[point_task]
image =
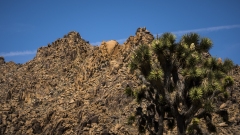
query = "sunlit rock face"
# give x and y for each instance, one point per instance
(72, 87)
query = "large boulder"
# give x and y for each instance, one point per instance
(110, 47)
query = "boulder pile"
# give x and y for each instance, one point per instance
(74, 88)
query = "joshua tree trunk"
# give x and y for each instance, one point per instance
(181, 126)
(160, 122)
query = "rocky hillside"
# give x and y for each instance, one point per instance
(72, 87)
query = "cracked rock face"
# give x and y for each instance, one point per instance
(72, 87)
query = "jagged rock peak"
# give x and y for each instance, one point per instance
(70, 45)
(73, 34)
(140, 30)
(142, 36)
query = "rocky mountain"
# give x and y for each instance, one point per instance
(74, 88)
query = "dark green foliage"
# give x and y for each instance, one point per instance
(208, 106)
(190, 38)
(227, 65)
(211, 63)
(139, 95)
(226, 95)
(193, 59)
(165, 41)
(196, 94)
(129, 91)
(131, 120)
(182, 78)
(205, 44)
(193, 126)
(193, 72)
(141, 59)
(219, 75)
(155, 75)
(228, 81)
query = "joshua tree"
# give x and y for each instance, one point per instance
(183, 81)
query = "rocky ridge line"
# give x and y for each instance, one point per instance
(72, 87)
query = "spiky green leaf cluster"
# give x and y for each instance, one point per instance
(196, 94)
(140, 58)
(205, 44)
(195, 121)
(155, 74)
(193, 59)
(193, 126)
(227, 65)
(211, 63)
(194, 72)
(190, 38)
(183, 48)
(226, 95)
(228, 81)
(129, 91)
(211, 87)
(208, 106)
(216, 64)
(218, 75)
(165, 44)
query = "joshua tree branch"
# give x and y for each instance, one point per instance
(191, 112)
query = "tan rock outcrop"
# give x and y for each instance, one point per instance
(72, 87)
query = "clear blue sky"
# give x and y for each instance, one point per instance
(26, 25)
